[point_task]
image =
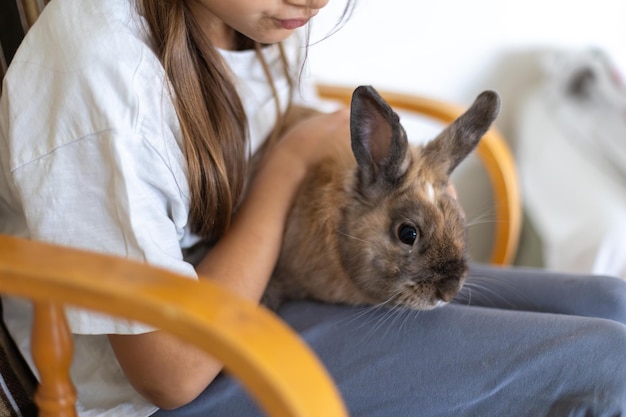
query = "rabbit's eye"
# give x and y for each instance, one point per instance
(407, 234)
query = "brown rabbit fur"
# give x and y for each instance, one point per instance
(376, 226)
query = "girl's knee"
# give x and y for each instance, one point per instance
(600, 387)
(611, 293)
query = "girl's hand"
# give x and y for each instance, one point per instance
(451, 189)
(316, 138)
(255, 234)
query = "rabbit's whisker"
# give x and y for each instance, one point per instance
(380, 313)
(495, 292)
(353, 237)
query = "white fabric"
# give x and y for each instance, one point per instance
(91, 157)
(572, 158)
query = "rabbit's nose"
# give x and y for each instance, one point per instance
(448, 288)
(446, 296)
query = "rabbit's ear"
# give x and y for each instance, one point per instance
(460, 138)
(379, 142)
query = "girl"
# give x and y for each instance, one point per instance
(126, 127)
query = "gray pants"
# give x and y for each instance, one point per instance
(514, 343)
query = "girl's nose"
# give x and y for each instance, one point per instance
(312, 4)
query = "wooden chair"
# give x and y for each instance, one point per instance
(277, 368)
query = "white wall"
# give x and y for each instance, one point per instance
(453, 49)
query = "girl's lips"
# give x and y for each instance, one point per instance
(291, 23)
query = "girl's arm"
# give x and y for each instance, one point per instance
(170, 373)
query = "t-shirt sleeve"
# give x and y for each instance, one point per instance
(110, 192)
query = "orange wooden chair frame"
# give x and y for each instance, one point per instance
(277, 368)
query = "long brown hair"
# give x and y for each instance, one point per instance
(211, 115)
(212, 118)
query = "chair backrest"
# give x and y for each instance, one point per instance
(16, 17)
(494, 154)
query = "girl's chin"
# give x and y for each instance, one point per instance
(274, 37)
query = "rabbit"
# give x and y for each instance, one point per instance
(376, 226)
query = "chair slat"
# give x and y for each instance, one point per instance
(52, 350)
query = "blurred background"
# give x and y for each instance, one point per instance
(454, 49)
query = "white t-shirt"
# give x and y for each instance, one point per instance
(91, 157)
